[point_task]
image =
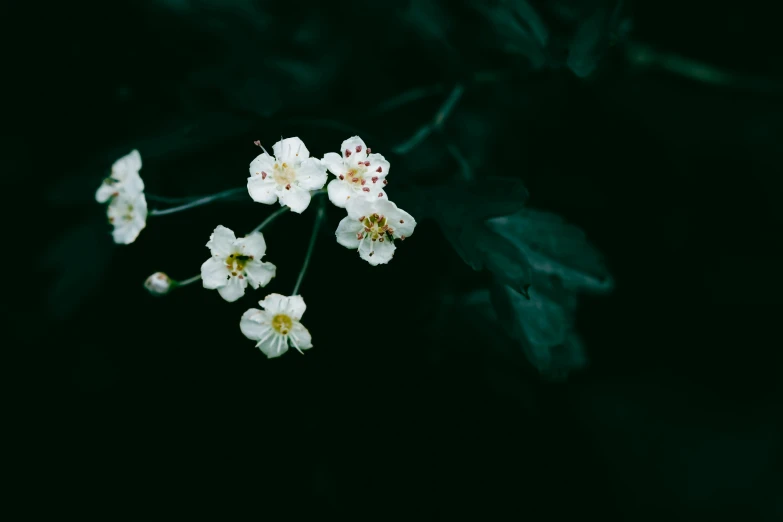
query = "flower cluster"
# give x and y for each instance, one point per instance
(291, 177)
(124, 190)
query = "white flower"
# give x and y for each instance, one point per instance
(235, 263)
(158, 284)
(372, 226)
(128, 213)
(289, 175)
(277, 325)
(124, 178)
(360, 173)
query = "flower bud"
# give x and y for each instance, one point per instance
(158, 284)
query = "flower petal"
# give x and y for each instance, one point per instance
(300, 337)
(295, 198)
(339, 192)
(378, 161)
(376, 252)
(295, 307)
(349, 152)
(311, 174)
(334, 162)
(233, 290)
(273, 346)
(104, 192)
(347, 232)
(289, 150)
(128, 214)
(131, 162)
(214, 273)
(401, 222)
(359, 207)
(221, 242)
(132, 185)
(274, 303)
(262, 163)
(255, 324)
(262, 190)
(260, 273)
(252, 245)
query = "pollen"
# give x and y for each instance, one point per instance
(282, 323)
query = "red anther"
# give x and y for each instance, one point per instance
(385, 182)
(115, 194)
(257, 143)
(380, 194)
(379, 169)
(354, 180)
(362, 218)
(369, 150)
(241, 276)
(347, 153)
(364, 181)
(263, 175)
(375, 179)
(366, 229)
(366, 189)
(359, 236)
(402, 237)
(288, 187)
(342, 177)
(366, 163)
(358, 148)
(376, 216)
(401, 221)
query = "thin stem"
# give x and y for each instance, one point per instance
(316, 225)
(464, 166)
(203, 201)
(188, 281)
(274, 215)
(437, 122)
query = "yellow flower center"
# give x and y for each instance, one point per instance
(282, 324)
(283, 174)
(236, 263)
(376, 227)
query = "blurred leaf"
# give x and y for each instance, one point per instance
(555, 248)
(517, 23)
(593, 37)
(80, 257)
(479, 200)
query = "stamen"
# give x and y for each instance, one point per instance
(347, 153)
(380, 194)
(369, 150)
(364, 181)
(362, 218)
(288, 187)
(358, 148)
(257, 143)
(380, 239)
(366, 163)
(263, 174)
(366, 189)
(375, 179)
(355, 180)
(359, 236)
(402, 221)
(342, 177)
(379, 169)
(385, 182)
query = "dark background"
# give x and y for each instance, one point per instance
(409, 407)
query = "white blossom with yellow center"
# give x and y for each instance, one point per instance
(372, 226)
(235, 263)
(361, 174)
(277, 325)
(288, 176)
(128, 214)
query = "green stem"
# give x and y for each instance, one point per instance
(199, 202)
(316, 225)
